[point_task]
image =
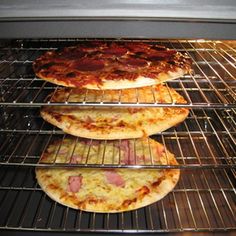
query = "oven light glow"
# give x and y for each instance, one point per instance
(201, 40)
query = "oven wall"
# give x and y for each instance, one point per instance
(115, 19)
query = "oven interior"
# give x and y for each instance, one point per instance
(204, 146)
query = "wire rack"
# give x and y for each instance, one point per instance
(211, 83)
(202, 201)
(204, 146)
(25, 136)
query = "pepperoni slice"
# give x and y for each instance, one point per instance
(72, 55)
(159, 47)
(117, 51)
(136, 62)
(137, 47)
(46, 65)
(162, 55)
(91, 46)
(89, 65)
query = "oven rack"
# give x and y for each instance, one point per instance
(206, 139)
(202, 201)
(211, 83)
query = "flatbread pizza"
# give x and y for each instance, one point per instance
(111, 65)
(115, 122)
(107, 190)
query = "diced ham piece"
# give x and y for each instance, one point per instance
(91, 142)
(128, 152)
(88, 64)
(75, 159)
(63, 150)
(114, 178)
(117, 51)
(160, 150)
(74, 183)
(115, 118)
(133, 110)
(89, 119)
(141, 158)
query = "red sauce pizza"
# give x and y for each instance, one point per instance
(111, 65)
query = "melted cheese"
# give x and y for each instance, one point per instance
(95, 184)
(141, 151)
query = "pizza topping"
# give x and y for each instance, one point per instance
(160, 150)
(46, 65)
(117, 51)
(91, 46)
(128, 202)
(74, 183)
(138, 47)
(143, 191)
(160, 56)
(90, 142)
(72, 54)
(89, 65)
(76, 159)
(89, 120)
(114, 178)
(71, 75)
(136, 62)
(128, 155)
(158, 182)
(159, 47)
(104, 190)
(63, 150)
(92, 64)
(133, 110)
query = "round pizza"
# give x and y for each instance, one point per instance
(107, 190)
(111, 65)
(115, 122)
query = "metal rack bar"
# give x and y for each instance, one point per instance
(52, 221)
(223, 193)
(222, 55)
(189, 131)
(224, 69)
(215, 72)
(38, 211)
(195, 82)
(228, 160)
(201, 201)
(18, 88)
(213, 200)
(223, 99)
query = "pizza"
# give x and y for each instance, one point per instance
(112, 122)
(107, 190)
(111, 65)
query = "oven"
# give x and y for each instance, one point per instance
(204, 144)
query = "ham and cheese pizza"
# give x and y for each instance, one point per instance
(107, 190)
(111, 65)
(115, 122)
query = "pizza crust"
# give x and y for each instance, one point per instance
(115, 122)
(123, 83)
(51, 180)
(170, 118)
(141, 81)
